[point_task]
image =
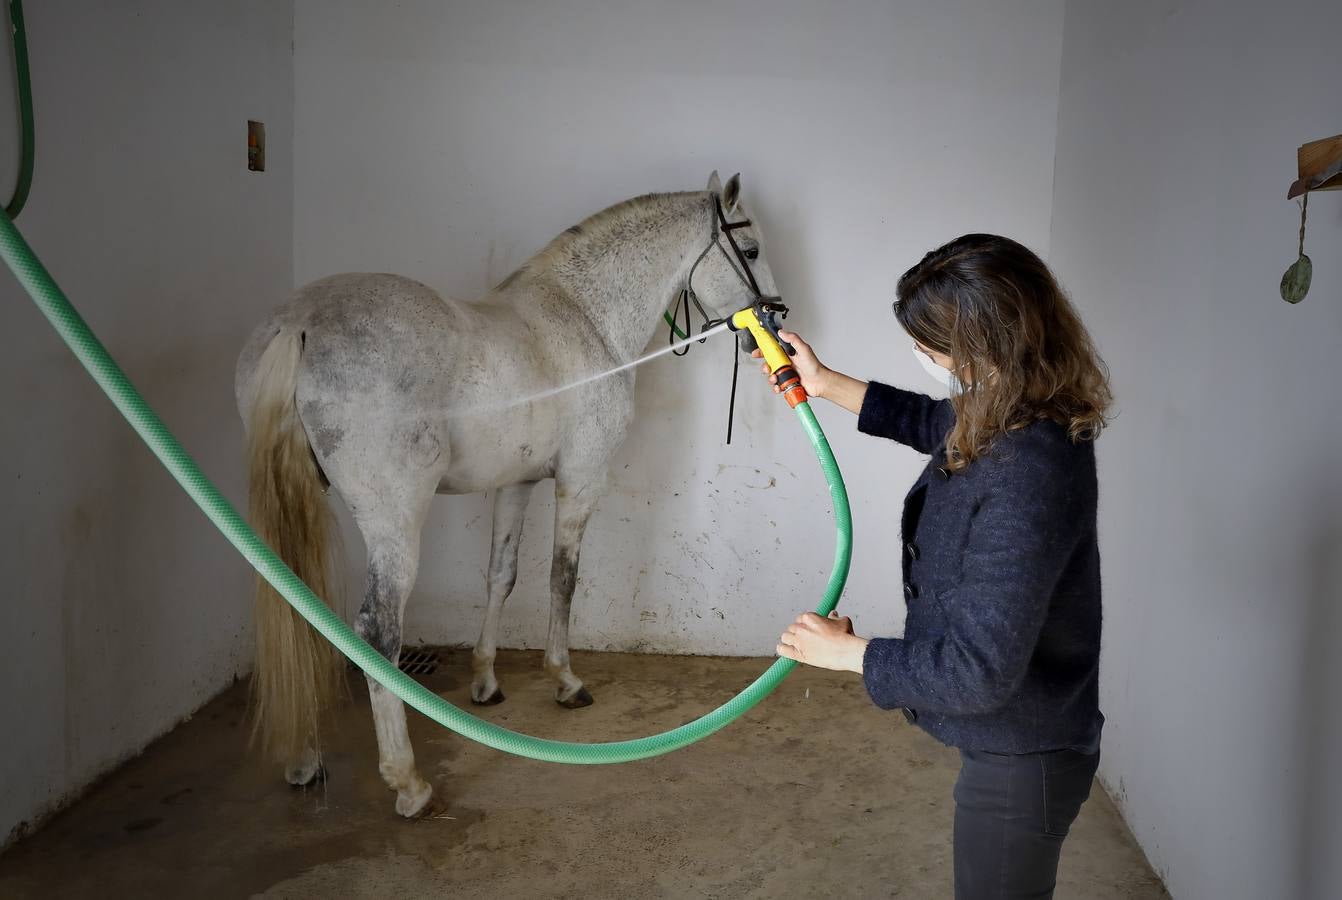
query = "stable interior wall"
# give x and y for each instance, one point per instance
(1221, 504)
(450, 141)
(124, 610)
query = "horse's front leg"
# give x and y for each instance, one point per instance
(574, 502)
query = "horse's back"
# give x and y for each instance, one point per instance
(390, 338)
(361, 328)
(369, 317)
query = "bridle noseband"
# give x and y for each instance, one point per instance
(736, 260)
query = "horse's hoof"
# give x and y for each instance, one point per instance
(493, 699)
(318, 776)
(582, 697)
(417, 804)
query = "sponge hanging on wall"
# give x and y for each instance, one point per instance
(1295, 283)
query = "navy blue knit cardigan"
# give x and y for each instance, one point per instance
(1001, 569)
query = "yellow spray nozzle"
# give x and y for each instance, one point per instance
(746, 319)
(761, 320)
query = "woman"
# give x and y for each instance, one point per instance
(1001, 568)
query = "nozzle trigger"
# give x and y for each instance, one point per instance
(769, 315)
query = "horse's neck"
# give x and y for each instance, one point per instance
(624, 271)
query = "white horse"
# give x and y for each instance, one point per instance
(376, 386)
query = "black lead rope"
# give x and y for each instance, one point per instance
(731, 402)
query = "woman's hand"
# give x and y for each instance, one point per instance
(815, 376)
(818, 379)
(826, 643)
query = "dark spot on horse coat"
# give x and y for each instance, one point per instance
(378, 622)
(361, 334)
(328, 438)
(425, 445)
(563, 577)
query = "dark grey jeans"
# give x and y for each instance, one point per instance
(1011, 815)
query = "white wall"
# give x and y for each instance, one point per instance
(1221, 491)
(449, 141)
(123, 610)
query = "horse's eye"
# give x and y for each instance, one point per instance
(751, 253)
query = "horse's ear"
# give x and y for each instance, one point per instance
(731, 194)
(715, 183)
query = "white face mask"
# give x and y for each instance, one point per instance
(942, 375)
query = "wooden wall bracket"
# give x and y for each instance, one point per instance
(1320, 167)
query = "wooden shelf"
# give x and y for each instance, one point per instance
(1320, 167)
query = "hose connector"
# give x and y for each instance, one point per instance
(760, 320)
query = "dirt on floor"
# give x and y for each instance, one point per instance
(814, 793)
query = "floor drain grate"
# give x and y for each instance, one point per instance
(419, 661)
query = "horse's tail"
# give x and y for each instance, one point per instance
(297, 672)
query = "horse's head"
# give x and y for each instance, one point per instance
(722, 279)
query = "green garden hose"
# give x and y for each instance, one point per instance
(35, 279)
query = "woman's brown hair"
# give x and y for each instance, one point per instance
(994, 307)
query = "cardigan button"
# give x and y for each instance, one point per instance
(910, 714)
(910, 592)
(912, 550)
(944, 473)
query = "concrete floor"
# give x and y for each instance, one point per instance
(815, 793)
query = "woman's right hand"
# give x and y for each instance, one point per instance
(814, 374)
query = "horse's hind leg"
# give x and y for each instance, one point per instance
(510, 508)
(574, 503)
(393, 559)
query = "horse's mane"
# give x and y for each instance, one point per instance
(596, 226)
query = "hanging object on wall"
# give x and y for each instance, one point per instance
(1319, 167)
(1295, 283)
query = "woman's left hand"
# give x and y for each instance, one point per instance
(826, 643)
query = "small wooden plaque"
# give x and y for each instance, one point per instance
(1319, 165)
